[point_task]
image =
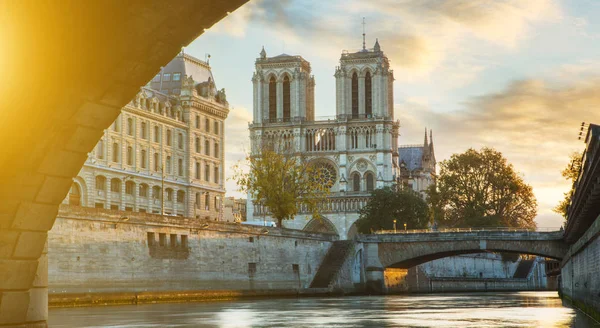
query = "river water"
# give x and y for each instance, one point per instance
(518, 309)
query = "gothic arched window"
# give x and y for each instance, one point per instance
(369, 180)
(355, 182)
(286, 97)
(368, 95)
(272, 98)
(354, 95)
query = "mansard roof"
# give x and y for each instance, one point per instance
(187, 65)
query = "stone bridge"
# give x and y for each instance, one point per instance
(407, 250)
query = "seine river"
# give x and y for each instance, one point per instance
(519, 309)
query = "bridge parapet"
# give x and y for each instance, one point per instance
(462, 236)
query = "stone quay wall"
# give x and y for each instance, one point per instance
(125, 254)
(580, 272)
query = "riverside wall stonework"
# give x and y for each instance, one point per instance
(94, 251)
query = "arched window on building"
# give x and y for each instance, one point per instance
(100, 183)
(180, 167)
(169, 193)
(286, 98)
(169, 137)
(75, 195)
(130, 126)
(197, 144)
(168, 165)
(368, 95)
(272, 98)
(197, 170)
(369, 180)
(206, 172)
(129, 188)
(143, 190)
(180, 196)
(115, 185)
(129, 155)
(100, 149)
(207, 147)
(355, 181)
(156, 192)
(180, 141)
(115, 152)
(156, 133)
(354, 95)
(156, 162)
(144, 159)
(216, 149)
(216, 174)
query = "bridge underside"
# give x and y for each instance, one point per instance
(69, 68)
(409, 254)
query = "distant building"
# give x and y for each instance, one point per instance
(234, 209)
(164, 153)
(417, 165)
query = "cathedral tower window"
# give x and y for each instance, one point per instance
(286, 98)
(355, 182)
(115, 152)
(354, 95)
(272, 98)
(369, 181)
(368, 95)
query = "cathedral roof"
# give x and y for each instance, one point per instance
(412, 156)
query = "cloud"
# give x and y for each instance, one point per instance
(533, 122)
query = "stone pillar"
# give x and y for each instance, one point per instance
(374, 270)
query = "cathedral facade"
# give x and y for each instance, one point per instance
(358, 145)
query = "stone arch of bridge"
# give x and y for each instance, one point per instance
(79, 91)
(407, 255)
(321, 224)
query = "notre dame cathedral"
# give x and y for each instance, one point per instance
(358, 145)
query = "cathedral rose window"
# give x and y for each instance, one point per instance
(326, 174)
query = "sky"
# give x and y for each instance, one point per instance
(518, 76)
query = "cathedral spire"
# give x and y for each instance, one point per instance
(263, 53)
(364, 41)
(425, 143)
(377, 48)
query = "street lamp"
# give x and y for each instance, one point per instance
(405, 227)
(394, 225)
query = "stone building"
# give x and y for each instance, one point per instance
(417, 165)
(164, 153)
(357, 146)
(234, 209)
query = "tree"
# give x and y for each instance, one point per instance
(387, 205)
(481, 189)
(283, 181)
(571, 172)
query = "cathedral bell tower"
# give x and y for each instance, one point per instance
(364, 84)
(283, 89)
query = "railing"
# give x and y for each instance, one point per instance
(335, 203)
(480, 229)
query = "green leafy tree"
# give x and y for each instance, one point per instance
(282, 182)
(481, 189)
(571, 172)
(387, 205)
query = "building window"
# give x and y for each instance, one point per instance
(369, 180)
(115, 152)
(156, 192)
(162, 239)
(207, 125)
(156, 134)
(197, 121)
(166, 77)
(169, 192)
(368, 95)
(130, 126)
(206, 172)
(180, 141)
(144, 130)
(143, 190)
(197, 144)
(207, 147)
(184, 241)
(355, 182)
(99, 205)
(168, 165)
(217, 203)
(115, 185)
(207, 201)
(144, 159)
(75, 195)
(129, 187)
(168, 137)
(151, 239)
(114, 207)
(129, 155)
(354, 95)
(197, 205)
(272, 98)
(176, 76)
(286, 97)
(180, 196)
(156, 162)
(180, 167)
(116, 124)
(100, 149)
(217, 149)
(216, 175)
(173, 240)
(197, 170)
(216, 127)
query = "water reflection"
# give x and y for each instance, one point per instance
(524, 309)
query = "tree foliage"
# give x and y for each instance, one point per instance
(570, 173)
(282, 182)
(387, 204)
(481, 189)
